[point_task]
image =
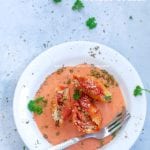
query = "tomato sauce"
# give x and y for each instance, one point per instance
(67, 130)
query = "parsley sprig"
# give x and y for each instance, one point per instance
(138, 90)
(57, 1)
(77, 94)
(91, 23)
(37, 105)
(78, 5)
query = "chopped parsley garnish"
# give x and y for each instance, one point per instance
(36, 105)
(138, 91)
(77, 94)
(95, 73)
(57, 1)
(108, 97)
(91, 23)
(78, 5)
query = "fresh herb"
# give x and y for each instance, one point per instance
(77, 94)
(91, 23)
(57, 1)
(78, 5)
(108, 97)
(138, 90)
(36, 105)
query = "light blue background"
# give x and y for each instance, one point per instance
(29, 27)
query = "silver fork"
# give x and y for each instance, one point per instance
(112, 127)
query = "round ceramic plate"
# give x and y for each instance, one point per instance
(73, 53)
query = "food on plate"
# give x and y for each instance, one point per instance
(77, 100)
(85, 115)
(61, 105)
(94, 88)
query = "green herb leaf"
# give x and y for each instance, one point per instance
(137, 91)
(57, 1)
(108, 97)
(77, 94)
(78, 5)
(91, 23)
(36, 105)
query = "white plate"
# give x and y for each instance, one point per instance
(73, 53)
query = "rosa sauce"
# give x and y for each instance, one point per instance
(67, 130)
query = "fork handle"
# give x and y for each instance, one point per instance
(66, 144)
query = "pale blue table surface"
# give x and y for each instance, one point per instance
(29, 27)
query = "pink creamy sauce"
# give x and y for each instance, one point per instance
(55, 134)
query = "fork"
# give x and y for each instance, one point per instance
(111, 128)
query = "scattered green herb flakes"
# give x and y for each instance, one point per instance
(36, 105)
(78, 5)
(57, 1)
(138, 90)
(91, 23)
(77, 94)
(93, 52)
(103, 74)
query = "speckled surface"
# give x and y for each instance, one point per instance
(29, 27)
